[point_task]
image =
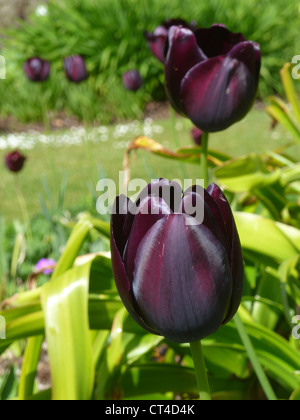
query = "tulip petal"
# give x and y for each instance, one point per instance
(248, 52)
(121, 278)
(182, 281)
(169, 191)
(217, 93)
(217, 40)
(150, 210)
(183, 54)
(236, 259)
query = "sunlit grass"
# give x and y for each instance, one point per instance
(84, 159)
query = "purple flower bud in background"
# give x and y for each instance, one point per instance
(132, 80)
(197, 134)
(177, 278)
(157, 39)
(211, 75)
(14, 161)
(45, 265)
(75, 68)
(36, 69)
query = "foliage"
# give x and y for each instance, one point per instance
(109, 35)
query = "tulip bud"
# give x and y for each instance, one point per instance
(176, 277)
(132, 80)
(36, 69)
(75, 68)
(211, 75)
(157, 39)
(197, 134)
(14, 161)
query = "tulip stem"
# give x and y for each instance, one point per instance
(204, 161)
(200, 370)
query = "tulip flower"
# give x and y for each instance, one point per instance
(177, 277)
(14, 161)
(75, 68)
(36, 69)
(157, 39)
(132, 80)
(211, 75)
(197, 134)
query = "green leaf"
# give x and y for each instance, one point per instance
(246, 173)
(276, 240)
(279, 111)
(29, 367)
(65, 305)
(289, 89)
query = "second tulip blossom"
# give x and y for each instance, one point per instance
(212, 75)
(177, 278)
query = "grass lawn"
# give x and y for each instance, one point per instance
(83, 159)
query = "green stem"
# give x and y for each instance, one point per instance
(200, 370)
(23, 207)
(203, 161)
(175, 137)
(254, 359)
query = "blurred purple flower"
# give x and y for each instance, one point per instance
(197, 134)
(157, 39)
(75, 68)
(132, 80)
(14, 161)
(46, 265)
(37, 69)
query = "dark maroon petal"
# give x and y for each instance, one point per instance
(183, 54)
(197, 134)
(132, 80)
(36, 69)
(248, 52)
(121, 279)
(209, 215)
(236, 259)
(186, 292)
(157, 41)
(169, 191)
(120, 213)
(45, 70)
(150, 210)
(217, 40)
(217, 93)
(75, 68)
(14, 161)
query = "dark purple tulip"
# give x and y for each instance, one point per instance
(36, 69)
(176, 277)
(197, 134)
(14, 161)
(211, 75)
(157, 39)
(75, 68)
(132, 80)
